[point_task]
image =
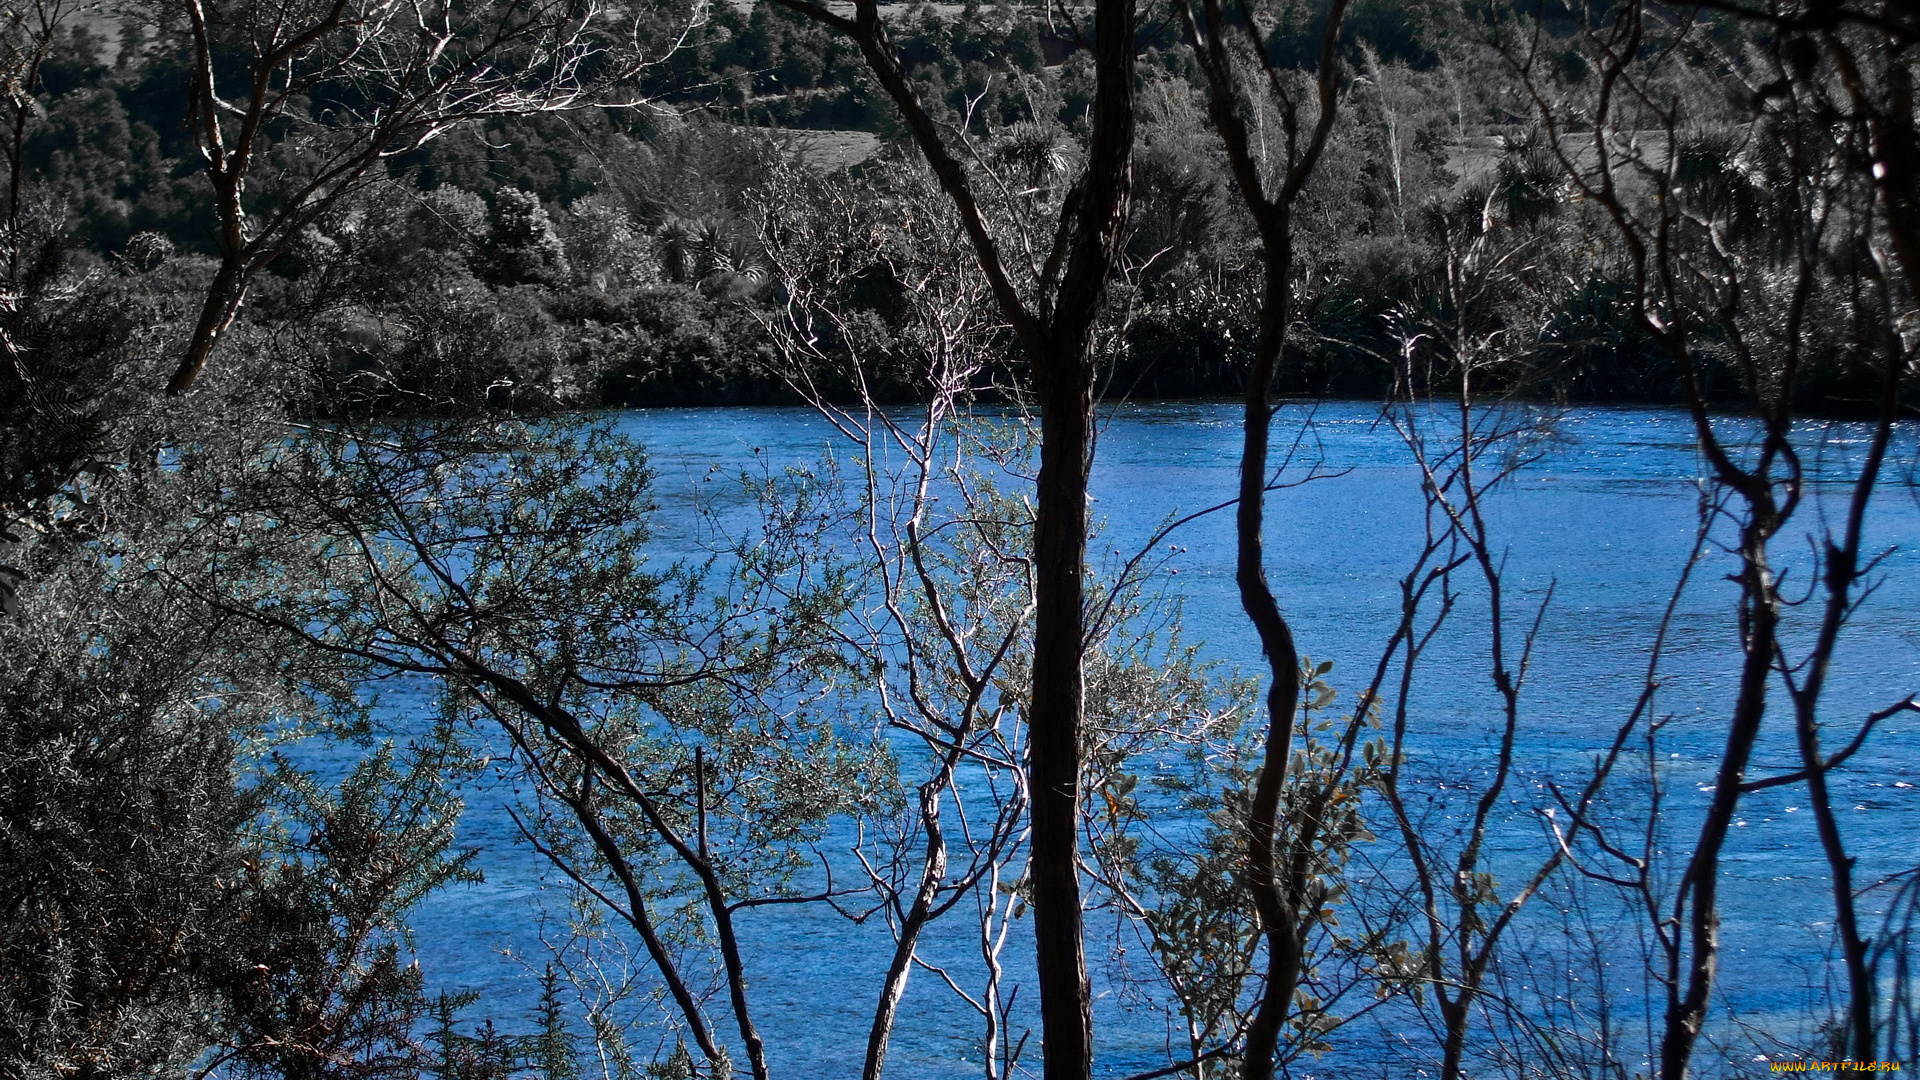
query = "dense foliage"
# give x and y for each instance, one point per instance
(612, 255)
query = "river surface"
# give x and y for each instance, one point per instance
(1605, 520)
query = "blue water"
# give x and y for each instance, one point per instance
(1605, 519)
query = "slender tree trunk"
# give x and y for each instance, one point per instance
(642, 924)
(564, 726)
(1283, 673)
(1453, 1013)
(1054, 720)
(222, 305)
(1278, 907)
(736, 969)
(894, 988)
(1063, 375)
(1699, 902)
(1858, 1043)
(1842, 572)
(1895, 169)
(1057, 334)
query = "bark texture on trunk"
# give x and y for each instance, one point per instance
(932, 871)
(1053, 736)
(1064, 378)
(222, 305)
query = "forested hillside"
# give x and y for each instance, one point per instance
(614, 255)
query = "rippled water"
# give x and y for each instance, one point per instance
(1605, 519)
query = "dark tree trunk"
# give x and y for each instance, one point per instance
(1055, 328)
(222, 304)
(1277, 902)
(1054, 719)
(1278, 920)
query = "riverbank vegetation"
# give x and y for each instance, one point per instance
(307, 308)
